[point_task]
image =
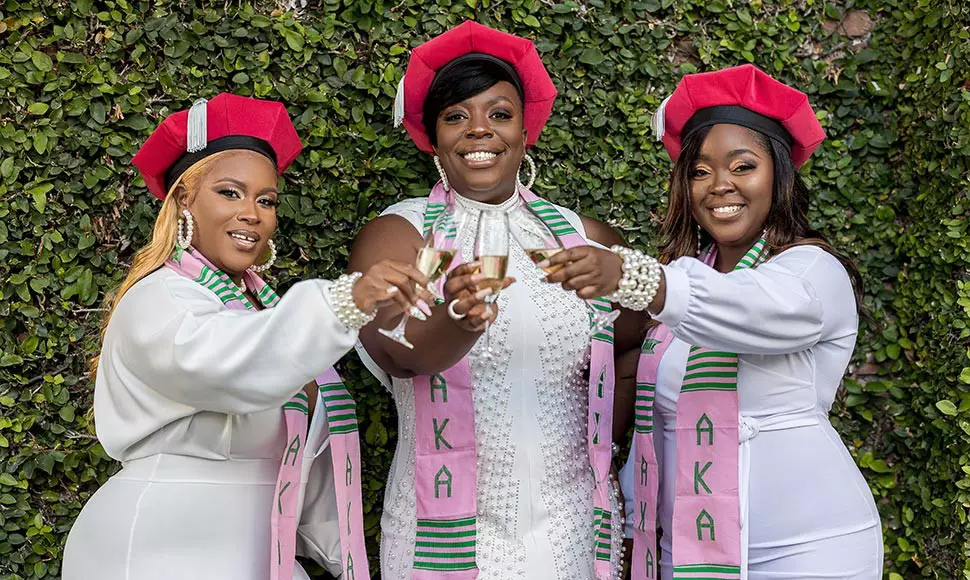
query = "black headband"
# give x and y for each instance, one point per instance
(737, 115)
(479, 57)
(221, 144)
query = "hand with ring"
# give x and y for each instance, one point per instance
(467, 304)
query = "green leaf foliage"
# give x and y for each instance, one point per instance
(83, 82)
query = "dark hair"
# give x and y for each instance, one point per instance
(787, 223)
(461, 80)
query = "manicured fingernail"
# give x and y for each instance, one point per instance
(392, 290)
(483, 293)
(476, 278)
(431, 289)
(416, 313)
(424, 307)
(543, 264)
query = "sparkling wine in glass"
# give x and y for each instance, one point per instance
(492, 253)
(540, 243)
(433, 261)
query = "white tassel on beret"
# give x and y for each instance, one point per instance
(196, 133)
(657, 121)
(399, 104)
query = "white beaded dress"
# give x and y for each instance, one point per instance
(534, 481)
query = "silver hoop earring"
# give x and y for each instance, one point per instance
(269, 263)
(184, 240)
(441, 172)
(532, 173)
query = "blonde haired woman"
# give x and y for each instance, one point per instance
(207, 383)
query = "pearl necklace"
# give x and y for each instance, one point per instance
(242, 286)
(477, 206)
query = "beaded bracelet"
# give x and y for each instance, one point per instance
(342, 301)
(640, 281)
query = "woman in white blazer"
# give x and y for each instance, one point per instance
(207, 385)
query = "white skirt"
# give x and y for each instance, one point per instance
(168, 516)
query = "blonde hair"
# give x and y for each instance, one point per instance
(153, 255)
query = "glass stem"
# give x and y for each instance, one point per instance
(399, 329)
(488, 325)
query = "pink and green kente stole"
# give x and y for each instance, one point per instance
(706, 534)
(341, 422)
(446, 456)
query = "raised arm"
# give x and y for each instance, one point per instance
(189, 348)
(785, 305)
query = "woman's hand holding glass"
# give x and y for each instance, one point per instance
(396, 286)
(591, 272)
(468, 298)
(433, 260)
(588, 270)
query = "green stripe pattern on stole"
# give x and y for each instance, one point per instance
(643, 408)
(603, 305)
(552, 218)
(431, 215)
(341, 409)
(446, 545)
(707, 572)
(225, 290)
(603, 528)
(299, 402)
(267, 297)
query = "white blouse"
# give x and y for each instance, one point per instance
(534, 482)
(189, 398)
(793, 321)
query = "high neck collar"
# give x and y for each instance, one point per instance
(471, 205)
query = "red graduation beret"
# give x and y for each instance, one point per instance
(225, 122)
(468, 37)
(731, 95)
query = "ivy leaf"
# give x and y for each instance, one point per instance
(40, 142)
(591, 56)
(38, 108)
(41, 61)
(67, 413)
(98, 112)
(39, 194)
(6, 167)
(293, 39)
(947, 407)
(10, 359)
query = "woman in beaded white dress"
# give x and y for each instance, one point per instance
(476, 98)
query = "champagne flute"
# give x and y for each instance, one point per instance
(543, 244)
(433, 261)
(492, 254)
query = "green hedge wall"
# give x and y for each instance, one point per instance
(82, 83)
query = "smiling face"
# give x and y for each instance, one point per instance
(481, 142)
(731, 186)
(234, 210)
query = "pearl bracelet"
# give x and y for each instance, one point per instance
(341, 295)
(640, 281)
